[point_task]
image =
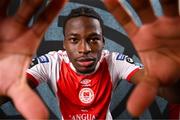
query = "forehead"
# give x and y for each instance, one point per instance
(78, 25)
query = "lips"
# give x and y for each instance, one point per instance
(85, 62)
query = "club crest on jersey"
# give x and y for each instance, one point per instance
(43, 59)
(86, 95)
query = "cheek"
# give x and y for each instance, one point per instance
(97, 47)
(99, 54)
(71, 56)
(70, 48)
(71, 53)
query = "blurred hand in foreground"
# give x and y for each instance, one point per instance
(157, 43)
(18, 42)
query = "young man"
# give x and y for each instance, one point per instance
(83, 58)
(84, 75)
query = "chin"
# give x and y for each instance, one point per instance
(85, 71)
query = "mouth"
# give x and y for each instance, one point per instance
(86, 62)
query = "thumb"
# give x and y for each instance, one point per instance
(141, 98)
(28, 103)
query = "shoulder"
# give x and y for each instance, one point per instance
(54, 55)
(116, 57)
(119, 59)
(51, 57)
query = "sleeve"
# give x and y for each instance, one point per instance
(124, 66)
(39, 69)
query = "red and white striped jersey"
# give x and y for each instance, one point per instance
(82, 96)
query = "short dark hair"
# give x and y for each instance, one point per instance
(83, 11)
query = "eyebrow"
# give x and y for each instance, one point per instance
(94, 34)
(72, 34)
(91, 34)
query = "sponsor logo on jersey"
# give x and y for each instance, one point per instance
(43, 59)
(84, 116)
(86, 95)
(120, 57)
(85, 82)
(123, 57)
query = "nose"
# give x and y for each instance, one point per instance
(84, 47)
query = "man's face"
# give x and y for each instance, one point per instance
(83, 43)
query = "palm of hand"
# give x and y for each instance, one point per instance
(159, 49)
(159, 52)
(14, 61)
(20, 37)
(18, 42)
(157, 44)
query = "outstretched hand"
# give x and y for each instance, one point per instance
(18, 42)
(157, 43)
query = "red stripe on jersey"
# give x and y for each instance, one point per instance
(131, 74)
(84, 96)
(33, 83)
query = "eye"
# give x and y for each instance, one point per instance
(73, 40)
(94, 40)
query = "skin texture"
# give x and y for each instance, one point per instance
(18, 42)
(157, 43)
(83, 43)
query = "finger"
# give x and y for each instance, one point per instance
(170, 7)
(179, 7)
(3, 7)
(28, 103)
(167, 28)
(26, 10)
(47, 16)
(141, 98)
(144, 10)
(122, 16)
